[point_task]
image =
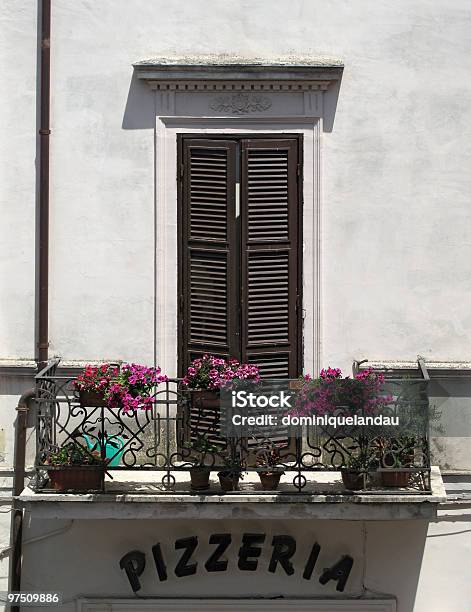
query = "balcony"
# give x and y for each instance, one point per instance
(149, 455)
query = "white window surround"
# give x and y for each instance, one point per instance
(233, 96)
(236, 605)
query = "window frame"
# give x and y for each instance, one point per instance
(238, 137)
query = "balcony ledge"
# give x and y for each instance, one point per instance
(247, 504)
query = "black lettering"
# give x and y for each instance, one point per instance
(214, 564)
(247, 550)
(339, 572)
(133, 564)
(284, 548)
(183, 568)
(311, 562)
(159, 562)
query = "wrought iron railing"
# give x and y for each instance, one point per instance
(160, 445)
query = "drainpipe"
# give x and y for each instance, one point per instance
(16, 529)
(44, 132)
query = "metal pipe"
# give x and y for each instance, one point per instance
(44, 132)
(16, 529)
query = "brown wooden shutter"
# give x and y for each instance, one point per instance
(208, 281)
(270, 261)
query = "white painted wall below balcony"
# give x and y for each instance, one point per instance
(424, 566)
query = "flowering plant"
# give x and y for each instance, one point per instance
(324, 395)
(96, 378)
(209, 372)
(132, 386)
(128, 387)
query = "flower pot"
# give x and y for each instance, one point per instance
(205, 399)
(229, 482)
(395, 478)
(199, 478)
(375, 479)
(270, 480)
(353, 480)
(77, 478)
(205, 415)
(92, 398)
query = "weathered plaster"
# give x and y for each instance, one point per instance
(234, 59)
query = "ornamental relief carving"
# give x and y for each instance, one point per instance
(240, 103)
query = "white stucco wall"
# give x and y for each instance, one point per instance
(396, 269)
(395, 190)
(18, 41)
(395, 168)
(406, 560)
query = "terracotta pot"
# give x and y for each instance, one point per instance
(92, 398)
(353, 480)
(77, 478)
(270, 480)
(375, 479)
(199, 478)
(205, 399)
(395, 478)
(229, 482)
(205, 415)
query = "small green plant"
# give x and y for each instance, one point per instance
(198, 449)
(399, 452)
(74, 454)
(233, 467)
(361, 462)
(268, 457)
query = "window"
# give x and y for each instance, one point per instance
(240, 216)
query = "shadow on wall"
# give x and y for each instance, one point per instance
(331, 98)
(139, 112)
(450, 422)
(393, 560)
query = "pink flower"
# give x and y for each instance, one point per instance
(210, 372)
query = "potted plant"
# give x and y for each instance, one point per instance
(331, 391)
(199, 472)
(356, 470)
(128, 387)
(231, 474)
(396, 455)
(204, 379)
(93, 383)
(206, 375)
(73, 467)
(268, 458)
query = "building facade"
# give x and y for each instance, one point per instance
(286, 183)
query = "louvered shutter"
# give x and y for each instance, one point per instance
(208, 281)
(270, 261)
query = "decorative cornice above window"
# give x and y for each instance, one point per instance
(236, 73)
